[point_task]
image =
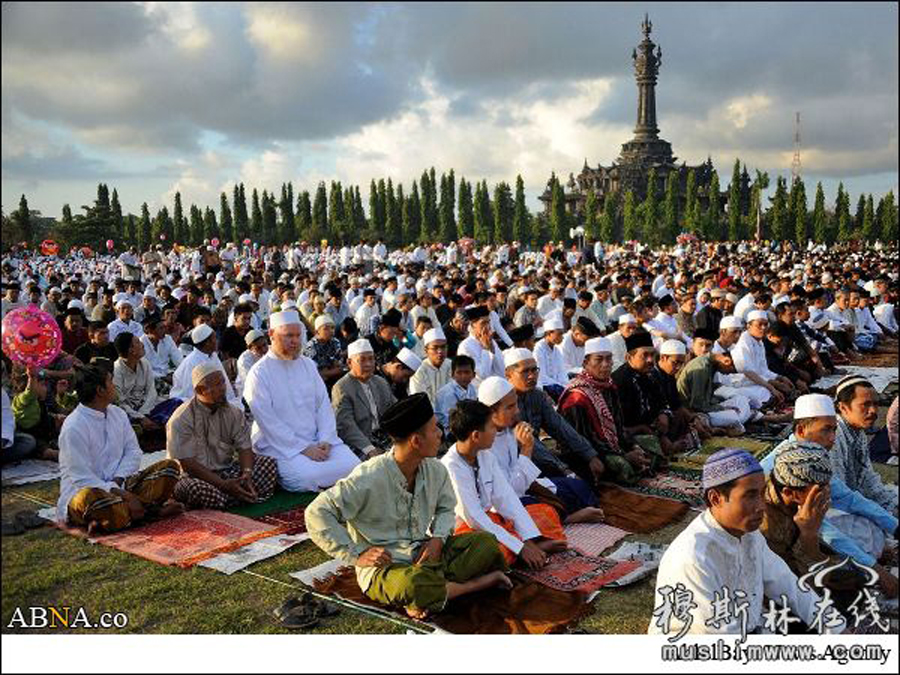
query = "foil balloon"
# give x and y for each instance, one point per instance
(109, 244)
(246, 242)
(31, 337)
(49, 247)
(214, 242)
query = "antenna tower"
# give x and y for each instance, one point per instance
(795, 165)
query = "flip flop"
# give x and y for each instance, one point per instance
(295, 615)
(29, 520)
(11, 528)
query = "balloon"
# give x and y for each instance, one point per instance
(49, 247)
(214, 242)
(246, 242)
(162, 237)
(31, 337)
(109, 244)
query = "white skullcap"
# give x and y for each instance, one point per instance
(252, 336)
(433, 334)
(673, 348)
(813, 405)
(515, 355)
(827, 278)
(361, 346)
(493, 389)
(246, 297)
(201, 333)
(731, 322)
(757, 315)
(122, 302)
(55, 289)
(323, 320)
(220, 275)
(539, 332)
(290, 304)
(731, 297)
(553, 323)
(627, 318)
(597, 345)
(202, 370)
(284, 318)
(409, 359)
(77, 304)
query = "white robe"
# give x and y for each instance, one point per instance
(164, 357)
(291, 412)
(94, 449)
(749, 356)
(182, 383)
(618, 348)
(550, 361)
(572, 354)
(492, 492)
(486, 363)
(518, 469)
(430, 379)
(705, 558)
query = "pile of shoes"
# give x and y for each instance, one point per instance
(305, 611)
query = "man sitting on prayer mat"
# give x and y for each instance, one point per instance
(512, 449)
(485, 501)
(203, 337)
(136, 386)
(696, 387)
(857, 403)
(677, 422)
(204, 434)
(723, 554)
(293, 420)
(590, 404)
(359, 398)
(854, 526)
(393, 518)
(101, 485)
(798, 494)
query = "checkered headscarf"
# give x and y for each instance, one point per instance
(801, 464)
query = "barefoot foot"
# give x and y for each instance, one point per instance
(589, 514)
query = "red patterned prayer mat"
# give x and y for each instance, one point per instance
(191, 537)
(292, 519)
(674, 486)
(593, 538)
(572, 571)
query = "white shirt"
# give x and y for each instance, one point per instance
(744, 305)
(290, 406)
(518, 469)
(245, 362)
(430, 379)
(183, 386)
(163, 358)
(749, 355)
(547, 304)
(572, 354)
(704, 558)
(9, 421)
(363, 317)
(486, 363)
(488, 490)
(618, 348)
(94, 449)
(884, 314)
(550, 361)
(447, 398)
(119, 326)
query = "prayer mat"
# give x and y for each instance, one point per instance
(636, 512)
(880, 378)
(573, 571)
(294, 520)
(187, 539)
(229, 563)
(529, 608)
(30, 471)
(648, 555)
(672, 485)
(593, 538)
(693, 462)
(282, 500)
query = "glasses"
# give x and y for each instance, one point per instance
(530, 371)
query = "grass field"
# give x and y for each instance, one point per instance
(45, 567)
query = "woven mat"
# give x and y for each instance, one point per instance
(573, 571)
(694, 462)
(673, 485)
(281, 501)
(293, 520)
(593, 538)
(639, 513)
(186, 539)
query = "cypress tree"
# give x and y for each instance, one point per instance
(303, 217)
(778, 213)
(286, 232)
(256, 224)
(889, 218)
(482, 225)
(860, 214)
(821, 223)
(650, 225)
(670, 209)
(376, 217)
(145, 236)
(131, 234)
(521, 225)
(870, 224)
(225, 221)
(466, 224)
(393, 225)
(196, 225)
(210, 225)
(713, 221)
(180, 235)
(503, 213)
(842, 215)
(735, 229)
(118, 223)
(690, 204)
(629, 224)
(559, 221)
(799, 209)
(320, 215)
(608, 219)
(412, 227)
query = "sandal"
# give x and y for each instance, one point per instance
(295, 615)
(11, 528)
(29, 520)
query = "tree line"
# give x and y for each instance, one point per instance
(446, 209)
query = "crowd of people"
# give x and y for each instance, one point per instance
(457, 406)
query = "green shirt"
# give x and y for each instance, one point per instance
(696, 384)
(372, 507)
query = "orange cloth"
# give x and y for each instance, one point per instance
(544, 516)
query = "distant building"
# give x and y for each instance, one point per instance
(643, 152)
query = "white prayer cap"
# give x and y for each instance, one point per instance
(515, 355)
(220, 275)
(201, 333)
(361, 346)
(627, 318)
(284, 318)
(493, 389)
(54, 289)
(757, 315)
(122, 302)
(555, 285)
(597, 345)
(673, 348)
(731, 322)
(202, 370)
(827, 278)
(731, 297)
(553, 323)
(290, 304)
(77, 304)
(817, 319)
(409, 359)
(323, 320)
(253, 336)
(433, 334)
(813, 405)
(246, 297)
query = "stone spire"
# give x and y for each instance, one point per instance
(646, 70)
